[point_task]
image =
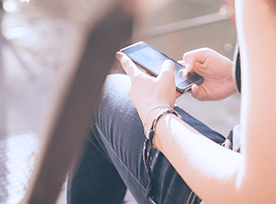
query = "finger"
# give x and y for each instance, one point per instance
(128, 65)
(182, 73)
(167, 71)
(194, 88)
(189, 67)
(195, 56)
(177, 95)
(194, 91)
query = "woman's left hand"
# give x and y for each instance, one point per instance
(148, 92)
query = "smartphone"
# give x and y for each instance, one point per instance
(150, 60)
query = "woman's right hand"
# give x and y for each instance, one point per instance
(216, 71)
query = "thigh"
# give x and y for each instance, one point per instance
(118, 131)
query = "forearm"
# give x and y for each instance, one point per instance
(209, 169)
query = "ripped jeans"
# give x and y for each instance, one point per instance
(112, 159)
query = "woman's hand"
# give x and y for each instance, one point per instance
(216, 70)
(148, 92)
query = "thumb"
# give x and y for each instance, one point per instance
(167, 71)
(189, 59)
(194, 56)
(198, 93)
(195, 91)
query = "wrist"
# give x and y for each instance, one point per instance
(149, 118)
(162, 114)
(163, 131)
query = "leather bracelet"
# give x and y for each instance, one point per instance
(145, 124)
(148, 147)
(150, 135)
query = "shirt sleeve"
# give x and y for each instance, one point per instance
(237, 69)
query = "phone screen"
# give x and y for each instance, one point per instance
(151, 60)
(148, 57)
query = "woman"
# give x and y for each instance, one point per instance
(186, 166)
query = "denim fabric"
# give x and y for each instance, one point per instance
(112, 159)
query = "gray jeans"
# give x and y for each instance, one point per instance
(112, 159)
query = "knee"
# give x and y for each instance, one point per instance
(115, 94)
(116, 84)
(116, 88)
(115, 104)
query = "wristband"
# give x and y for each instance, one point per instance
(148, 148)
(145, 124)
(150, 135)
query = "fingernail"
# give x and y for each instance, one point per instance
(168, 62)
(121, 57)
(118, 55)
(188, 66)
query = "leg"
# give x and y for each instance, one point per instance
(117, 135)
(95, 179)
(108, 136)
